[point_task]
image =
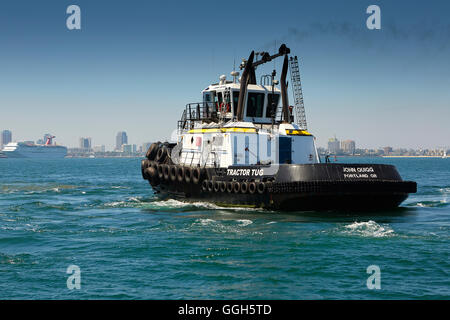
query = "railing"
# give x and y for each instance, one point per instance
(198, 111)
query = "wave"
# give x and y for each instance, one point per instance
(368, 229)
(36, 188)
(429, 204)
(244, 222)
(222, 226)
(21, 258)
(172, 204)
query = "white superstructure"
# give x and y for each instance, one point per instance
(209, 135)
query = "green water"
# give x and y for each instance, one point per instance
(100, 215)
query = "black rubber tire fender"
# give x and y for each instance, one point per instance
(244, 187)
(155, 178)
(216, 186)
(160, 170)
(205, 185)
(229, 186)
(251, 187)
(260, 187)
(162, 154)
(223, 186)
(166, 171)
(188, 174)
(196, 175)
(210, 186)
(236, 187)
(173, 172)
(150, 172)
(144, 165)
(180, 173)
(152, 151)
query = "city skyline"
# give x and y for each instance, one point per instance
(333, 144)
(386, 87)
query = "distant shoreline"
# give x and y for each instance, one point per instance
(415, 157)
(380, 156)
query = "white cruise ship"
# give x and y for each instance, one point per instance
(31, 150)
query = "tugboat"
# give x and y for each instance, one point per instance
(240, 146)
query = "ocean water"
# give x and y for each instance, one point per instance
(99, 215)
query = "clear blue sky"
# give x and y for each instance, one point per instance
(135, 64)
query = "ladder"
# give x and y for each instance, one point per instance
(300, 116)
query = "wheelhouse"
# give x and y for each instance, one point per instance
(260, 106)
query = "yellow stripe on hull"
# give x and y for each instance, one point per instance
(223, 130)
(292, 132)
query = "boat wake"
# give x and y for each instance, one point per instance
(369, 229)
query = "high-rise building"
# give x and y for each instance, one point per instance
(333, 145)
(348, 146)
(6, 137)
(121, 139)
(127, 148)
(86, 143)
(101, 148)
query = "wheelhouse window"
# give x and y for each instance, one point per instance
(255, 104)
(235, 101)
(272, 98)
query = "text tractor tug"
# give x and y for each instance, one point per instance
(238, 147)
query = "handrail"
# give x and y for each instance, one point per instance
(198, 111)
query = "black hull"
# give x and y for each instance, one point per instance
(328, 186)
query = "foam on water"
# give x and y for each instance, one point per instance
(222, 226)
(368, 229)
(429, 204)
(245, 222)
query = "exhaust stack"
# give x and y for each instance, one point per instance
(243, 89)
(284, 96)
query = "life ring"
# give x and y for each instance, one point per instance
(225, 107)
